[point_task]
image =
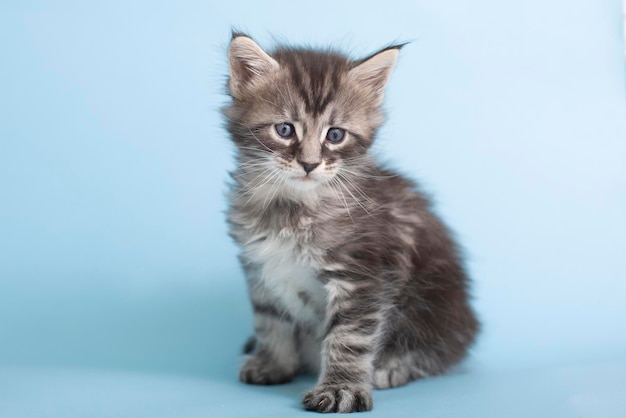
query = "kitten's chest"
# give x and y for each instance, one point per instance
(287, 261)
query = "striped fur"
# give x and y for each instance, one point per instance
(350, 273)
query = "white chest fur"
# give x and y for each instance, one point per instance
(288, 263)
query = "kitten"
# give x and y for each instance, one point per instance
(350, 273)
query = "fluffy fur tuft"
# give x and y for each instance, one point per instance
(350, 273)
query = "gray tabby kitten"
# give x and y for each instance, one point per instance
(350, 273)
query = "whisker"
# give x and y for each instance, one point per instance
(353, 196)
(274, 186)
(259, 141)
(274, 190)
(345, 202)
(252, 183)
(356, 188)
(270, 178)
(365, 175)
(253, 187)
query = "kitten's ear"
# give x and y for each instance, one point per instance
(249, 65)
(373, 72)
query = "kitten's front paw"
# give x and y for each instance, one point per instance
(259, 370)
(338, 398)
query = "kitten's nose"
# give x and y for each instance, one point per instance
(308, 167)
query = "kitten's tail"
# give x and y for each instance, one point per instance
(250, 345)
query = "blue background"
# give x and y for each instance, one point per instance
(120, 293)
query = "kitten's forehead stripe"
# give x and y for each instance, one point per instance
(333, 117)
(316, 76)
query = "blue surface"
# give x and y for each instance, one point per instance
(582, 391)
(120, 293)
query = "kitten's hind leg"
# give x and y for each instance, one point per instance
(272, 357)
(398, 371)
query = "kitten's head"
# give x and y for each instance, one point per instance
(302, 118)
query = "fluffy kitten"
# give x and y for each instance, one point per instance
(350, 273)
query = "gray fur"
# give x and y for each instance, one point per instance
(350, 273)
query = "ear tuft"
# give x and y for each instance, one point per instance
(249, 64)
(234, 32)
(373, 72)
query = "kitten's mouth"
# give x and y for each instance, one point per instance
(302, 178)
(307, 181)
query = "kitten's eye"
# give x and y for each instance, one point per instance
(285, 130)
(335, 135)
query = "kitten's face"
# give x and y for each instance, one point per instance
(302, 119)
